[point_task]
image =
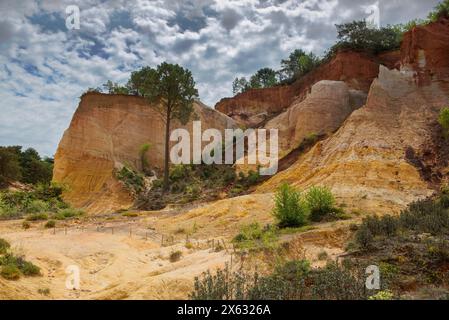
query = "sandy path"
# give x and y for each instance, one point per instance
(112, 266)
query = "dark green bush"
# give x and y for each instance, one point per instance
(321, 203)
(10, 272)
(253, 236)
(133, 180)
(443, 120)
(50, 224)
(441, 10)
(425, 216)
(175, 256)
(293, 280)
(37, 217)
(14, 263)
(4, 246)
(68, 214)
(42, 199)
(289, 210)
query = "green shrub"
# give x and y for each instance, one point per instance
(68, 213)
(289, 209)
(253, 236)
(382, 295)
(193, 191)
(25, 267)
(364, 237)
(10, 272)
(26, 225)
(133, 180)
(44, 198)
(335, 282)
(180, 172)
(444, 201)
(4, 246)
(358, 35)
(50, 224)
(293, 280)
(44, 292)
(175, 256)
(443, 120)
(441, 10)
(320, 202)
(425, 216)
(158, 183)
(37, 206)
(37, 217)
(29, 269)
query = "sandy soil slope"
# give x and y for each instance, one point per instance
(123, 258)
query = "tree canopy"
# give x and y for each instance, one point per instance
(170, 90)
(24, 166)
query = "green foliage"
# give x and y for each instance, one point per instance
(17, 265)
(38, 202)
(36, 206)
(170, 90)
(10, 272)
(254, 236)
(358, 35)
(240, 85)
(24, 166)
(143, 156)
(37, 217)
(4, 246)
(336, 282)
(133, 180)
(263, 78)
(289, 210)
(180, 172)
(44, 292)
(441, 10)
(320, 202)
(26, 225)
(10, 169)
(382, 295)
(50, 224)
(425, 216)
(68, 213)
(136, 83)
(298, 64)
(34, 169)
(175, 256)
(115, 88)
(308, 141)
(292, 280)
(443, 120)
(188, 182)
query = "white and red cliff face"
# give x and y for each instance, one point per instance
(106, 133)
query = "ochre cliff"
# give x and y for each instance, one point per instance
(357, 69)
(106, 133)
(369, 162)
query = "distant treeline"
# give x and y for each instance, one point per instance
(24, 166)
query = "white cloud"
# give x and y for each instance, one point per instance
(44, 68)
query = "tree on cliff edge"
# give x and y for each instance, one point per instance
(170, 89)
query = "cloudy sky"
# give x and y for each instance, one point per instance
(44, 67)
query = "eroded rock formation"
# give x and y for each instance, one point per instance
(365, 162)
(106, 133)
(255, 106)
